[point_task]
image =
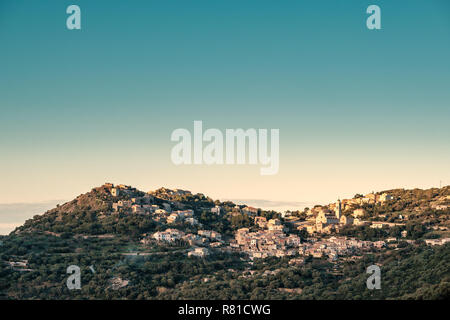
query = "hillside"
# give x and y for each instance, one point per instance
(116, 229)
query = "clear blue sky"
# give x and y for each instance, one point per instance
(358, 110)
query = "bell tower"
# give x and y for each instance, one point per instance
(338, 209)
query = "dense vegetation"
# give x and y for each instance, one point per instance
(413, 272)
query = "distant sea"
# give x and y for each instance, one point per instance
(13, 215)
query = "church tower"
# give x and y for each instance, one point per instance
(338, 209)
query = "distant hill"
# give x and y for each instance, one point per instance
(93, 213)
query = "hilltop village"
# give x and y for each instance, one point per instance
(174, 244)
(317, 232)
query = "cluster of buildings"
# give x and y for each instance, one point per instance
(139, 205)
(205, 238)
(334, 247)
(350, 204)
(271, 238)
(382, 224)
(120, 189)
(182, 215)
(210, 234)
(198, 252)
(169, 235)
(328, 221)
(251, 211)
(371, 198)
(265, 243)
(145, 205)
(175, 192)
(271, 225)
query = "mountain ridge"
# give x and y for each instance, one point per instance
(96, 206)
